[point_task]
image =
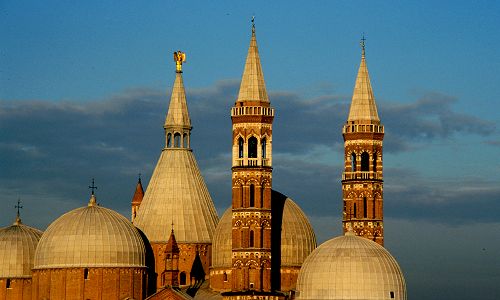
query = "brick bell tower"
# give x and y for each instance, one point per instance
(362, 180)
(252, 118)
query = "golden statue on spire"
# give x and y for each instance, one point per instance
(179, 58)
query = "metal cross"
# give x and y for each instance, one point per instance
(253, 23)
(92, 187)
(362, 43)
(18, 206)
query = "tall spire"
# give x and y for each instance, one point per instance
(137, 198)
(253, 87)
(178, 115)
(363, 107)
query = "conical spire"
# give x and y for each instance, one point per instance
(139, 192)
(253, 87)
(363, 107)
(178, 115)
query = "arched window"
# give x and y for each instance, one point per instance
(169, 140)
(240, 147)
(86, 274)
(224, 276)
(8, 284)
(262, 195)
(252, 147)
(365, 162)
(353, 162)
(365, 208)
(251, 239)
(354, 211)
(177, 140)
(252, 196)
(185, 140)
(241, 195)
(182, 278)
(375, 161)
(263, 144)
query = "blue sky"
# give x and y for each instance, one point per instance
(84, 88)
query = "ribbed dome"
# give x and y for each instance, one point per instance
(91, 236)
(177, 194)
(350, 267)
(297, 236)
(17, 249)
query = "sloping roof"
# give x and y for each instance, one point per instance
(178, 114)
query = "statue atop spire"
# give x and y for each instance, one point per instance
(179, 58)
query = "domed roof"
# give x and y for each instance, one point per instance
(297, 236)
(177, 194)
(91, 236)
(350, 267)
(17, 249)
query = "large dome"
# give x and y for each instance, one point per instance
(350, 267)
(91, 236)
(17, 249)
(297, 236)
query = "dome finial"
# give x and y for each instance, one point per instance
(92, 201)
(253, 24)
(362, 44)
(18, 216)
(179, 58)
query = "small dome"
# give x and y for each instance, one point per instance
(91, 236)
(350, 267)
(17, 249)
(297, 236)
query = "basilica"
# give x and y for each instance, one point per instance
(175, 246)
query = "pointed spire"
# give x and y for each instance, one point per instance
(363, 107)
(253, 87)
(178, 115)
(172, 246)
(139, 192)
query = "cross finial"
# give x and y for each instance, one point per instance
(92, 187)
(253, 24)
(172, 226)
(18, 206)
(139, 177)
(362, 44)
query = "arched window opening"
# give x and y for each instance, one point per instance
(242, 240)
(169, 140)
(261, 245)
(263, 144)
(252, 147)
(241, 195)
(86, 274)
(365, 208)
(353, 162)
(375, 161)
(8, 283)
(354, 211)
(177, 140)
(240, 147)
(252, 196)
(365, 162)
(182, 279)
(185, 141)
(262, 195)
(251, 239)
(224, 276)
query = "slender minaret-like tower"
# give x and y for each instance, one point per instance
(137, 198)
(362, 181)
(252, 118)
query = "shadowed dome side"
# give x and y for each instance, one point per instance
(17, 250)
(350, 267)
(90, 236)
(177, 194)
(297, 236)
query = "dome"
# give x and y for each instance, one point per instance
(91, 236)
(177, 194)
(350, 267)
(17, 249)
(297, 236)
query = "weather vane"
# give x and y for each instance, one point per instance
(93, 187)
(362, 44)
(253, 24)
(179, 58)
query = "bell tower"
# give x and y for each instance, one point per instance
(252, 118)
(362, 180)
